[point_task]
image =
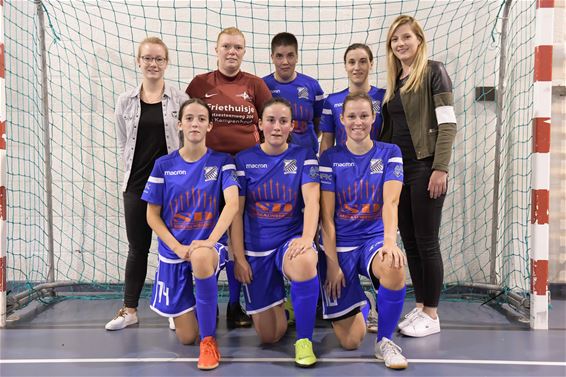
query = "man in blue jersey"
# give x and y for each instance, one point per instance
(273, 233)
(358, 62)
(361, 182)
(303, 92)
(184, 192)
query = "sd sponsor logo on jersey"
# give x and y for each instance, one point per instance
(210, 173)
(376, 166)
(290, 166)
(302, 92)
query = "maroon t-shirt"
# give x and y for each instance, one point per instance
(235, 103)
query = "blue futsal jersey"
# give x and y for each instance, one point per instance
(306, 96)
(357, 182)
(189, 194)
(272, 188)
(332, 109)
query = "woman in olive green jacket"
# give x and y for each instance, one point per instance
(419, 117)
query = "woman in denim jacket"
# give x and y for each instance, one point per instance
(146, 128)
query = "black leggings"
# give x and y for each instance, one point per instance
(419, 223)
(139, 242)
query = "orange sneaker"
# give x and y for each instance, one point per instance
(209, 357)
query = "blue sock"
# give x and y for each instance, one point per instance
(207, 299)
(389, 309)
(365, 310)
(304, 295)
(234, 286)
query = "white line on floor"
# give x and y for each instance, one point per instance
(273, 360)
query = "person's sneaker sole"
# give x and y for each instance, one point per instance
(392, 366)
(305, 366)
(209, 367)
(421, 335)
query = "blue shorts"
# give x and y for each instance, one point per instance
(267, 288)
(172, 293)
(354, 262)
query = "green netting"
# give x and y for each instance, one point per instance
(90, 49)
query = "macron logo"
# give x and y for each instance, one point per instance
(175, 172)
(256, 166)
(343, 164)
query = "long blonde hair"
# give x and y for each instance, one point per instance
(394, 65)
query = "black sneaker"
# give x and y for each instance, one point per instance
(235, 316)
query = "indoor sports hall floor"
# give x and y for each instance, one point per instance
(68, 339)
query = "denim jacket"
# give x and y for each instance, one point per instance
(128, 109)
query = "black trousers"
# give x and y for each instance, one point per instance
(419, 224)
(139, 241)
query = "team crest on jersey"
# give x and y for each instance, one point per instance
(302, 92)
(398, 171)
(313, 172)
(290, 166)
(376, 106)
(210, 173)
(245, 96)
(376, 166)
(234, 176)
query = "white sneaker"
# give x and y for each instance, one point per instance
(372, 316)
(171, 324)
(390, 353)
(407, 318)
(422, 325)
(122, 320)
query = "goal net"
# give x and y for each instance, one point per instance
(89, 51)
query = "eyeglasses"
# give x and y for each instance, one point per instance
(159, 60)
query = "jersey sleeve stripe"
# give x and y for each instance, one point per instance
(311, 162)
(319, 98)
(445, 114)
(229, 167)
(240, 173)
(398, 160)
(325, 169)
(155, 180)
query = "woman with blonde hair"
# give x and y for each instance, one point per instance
(146, 129)
(419, 117)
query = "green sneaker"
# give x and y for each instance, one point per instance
(304, 355)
